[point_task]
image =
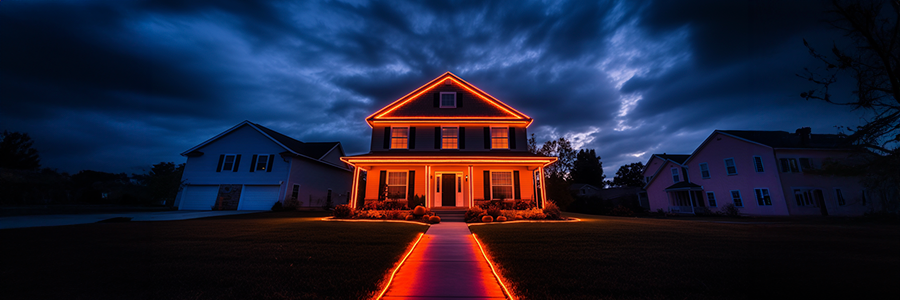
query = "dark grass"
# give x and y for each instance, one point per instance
(629, 258)
(284, 255)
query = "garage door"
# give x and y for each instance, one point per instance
(255, 197)
(199, 197)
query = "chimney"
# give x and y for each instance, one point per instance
(804, 133)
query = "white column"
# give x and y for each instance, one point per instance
(471, 192)
(543, 188)
(428, 192)
(355, 187)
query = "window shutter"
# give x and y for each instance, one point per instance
(462, 138)
(253, 164)
(411, 189)
(271, 159)
(412, 138)
(382, 176)
(387, 138)
(512, 138)
(437, 138)
(487, 185)
(459, 96)
(487, 138)
(437, 99)
(237, 162)
(221, 160)
(516, 187)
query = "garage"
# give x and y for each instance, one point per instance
(198, 197)
(259, 197)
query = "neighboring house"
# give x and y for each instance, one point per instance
(760, 172)
(583, 190)
(452, 144)
(250, 167)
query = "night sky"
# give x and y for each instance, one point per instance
(119, 85)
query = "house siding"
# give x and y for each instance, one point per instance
(245, 141)
(315, 179)
(850, 186)
(474, 136)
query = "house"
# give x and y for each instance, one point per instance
(584, 190)
(251, 167)
(451, 144)
(770, 173)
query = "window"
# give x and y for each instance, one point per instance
(763, 198)
(807, 197)
(729, 166)
(399, 137)
(396, 185)
(704, 171)
(448, 99)
(501, 185)
(675, 175)
(789, 165)
(712, 199)
(449, 137)
(499, 138)
(736, 198)
(228, 164)
(757, 161)
(840, 197)
(863, 198)
(295, 192)
(805, 163)
(262, 161)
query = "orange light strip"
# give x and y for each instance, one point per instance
(485, 93)
(450, 161)
(543, 189)
(391, 279)
(354, 188)
(497, 276)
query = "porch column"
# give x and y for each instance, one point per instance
(691, 198)
(471, 192)
(428, 186)
(543, 188)
(355, 189)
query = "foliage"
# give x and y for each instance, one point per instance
(552, 211)
(587, 168)
(622, 211)
(277, 206)
(473, 213)
(385, 205)
(343, 211)
(493, 211)
(731, 210)
(16, 152)
(630, 175)
(562, 150)
(164, 182)
(416, 200)
(524, 204)
(558, 191)
(531, 214)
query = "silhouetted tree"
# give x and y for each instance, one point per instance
(588, 168)
(562, 150)
(164, 181)
(16, 152)
(630, 175)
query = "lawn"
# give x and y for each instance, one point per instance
(631, 258)
(285, 255)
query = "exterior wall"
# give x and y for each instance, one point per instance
(658, 199)
(372, 179)
(474, 137)
(652, 166)
(850, 187)
(315, 179)
(335, 158)
(245, 141)
(714, 153)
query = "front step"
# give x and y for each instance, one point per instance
(451, 215)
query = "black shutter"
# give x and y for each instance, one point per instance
(512, 138)
(382, 176)
(437, 138)
(462, 138)
(253, 164)
(221, 160)
(437, 99)
(411, 189)
(387, 138)
(487, 138)
(487, 185)
(412, 138)
(516, 187)
(271, 159)
(237, 162)
(459, 96)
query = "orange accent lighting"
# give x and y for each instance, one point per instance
(493, 270)
(391, 279)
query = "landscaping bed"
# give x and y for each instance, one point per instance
(630, 258)
(273, 255)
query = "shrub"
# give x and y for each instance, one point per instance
(343, 211)
(731, 210)
(501, 219)
(473, 214)
(277, 206)
(538, 216)
(487, 219)
(509, 214)
(417, 200)
(494, 211)
(552, 211)
(523, 205)
(419, 211)
(622, 211)
(395, 214)
(434, 219)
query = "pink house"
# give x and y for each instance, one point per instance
(761, 172)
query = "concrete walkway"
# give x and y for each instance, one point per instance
(446, 264)
(59, 220)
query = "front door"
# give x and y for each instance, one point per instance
(448, 185)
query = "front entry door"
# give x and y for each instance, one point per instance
(448, 185)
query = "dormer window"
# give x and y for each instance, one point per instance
(448, 99)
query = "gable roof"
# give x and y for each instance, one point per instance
(784, 139)
(417, 106)
(677, 159)
(314, 151)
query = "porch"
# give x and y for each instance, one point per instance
(686, 198)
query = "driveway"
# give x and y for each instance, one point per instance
(59, 220)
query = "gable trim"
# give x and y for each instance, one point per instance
(709, 138)
(663, 166)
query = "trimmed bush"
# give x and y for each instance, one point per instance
(501, 219)
(343, 211)
(494, 211)
(487, 219)
(473, 214)
(552, 211)
(731, 210)
(434, 219)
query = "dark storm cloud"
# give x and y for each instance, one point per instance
(116, 85)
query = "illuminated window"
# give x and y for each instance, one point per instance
(712, 199)
(228, 164)
(396, 185)
(729, 166)
(262, 162)
(704, 171)
(499, 138)
(736, 198)
(399, 137)
(449, 137)
(448, 99)
(501, 185)
(757, 161)
(840, 197)
(763, 198)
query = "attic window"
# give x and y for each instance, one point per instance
(448, 99)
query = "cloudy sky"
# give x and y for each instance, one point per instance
(119, 85)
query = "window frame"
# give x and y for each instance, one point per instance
(441, 100)
(758, 164)
(387, 183)
(506, 131)
(733, 165)
(740, 200)
(444, 138)
(839, 197)
(512, 184)
(763, 197)
(225, 162)
(704, 167)
(792, 164)
(260, 164)
(675, 175)
(711, 200)
(295, 191)
(405, 145)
